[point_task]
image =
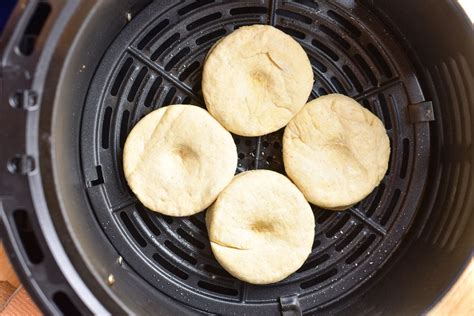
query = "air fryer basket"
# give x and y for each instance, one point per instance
(78, 75)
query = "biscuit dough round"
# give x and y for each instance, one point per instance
(177, 159)
(261, 227)
(256, 79)
(335, 151)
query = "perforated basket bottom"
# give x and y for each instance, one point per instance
(157, 60)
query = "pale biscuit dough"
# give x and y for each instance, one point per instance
(261, 227)
(256, 79)
(177, 159)
(335, 151)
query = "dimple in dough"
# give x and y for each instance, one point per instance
(256, 79)
(335, 151)
(261, 227)
(177, 159)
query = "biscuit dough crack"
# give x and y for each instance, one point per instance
(261, 227)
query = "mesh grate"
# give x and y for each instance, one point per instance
(157, 60)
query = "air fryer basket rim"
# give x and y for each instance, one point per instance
(64, 289)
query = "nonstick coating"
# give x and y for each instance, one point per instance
(157, 60)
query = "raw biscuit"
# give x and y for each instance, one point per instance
(261, 227)
(177, 159)
(256, 79)
(335, 151)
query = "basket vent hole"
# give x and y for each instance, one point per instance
(338, 85)
(180, 253)
(292, 32)
(366, 104)
(248, 10)
(217, 288)
(265, 144)
(148, 222)
(100, 177)
(168, 219)
(324, 216)
(326, 30)
(106, 127)
(352, 235)
(136, 84)
(380, 60)
(193, 6)
(361, 249)
(189, 238)
(121, 76)
(189, 70)
(132, 229)
(352, 78)
(216, 270)
(294, 16)
(405, 155)
(241, 155)
(354, 31)
(363, 64)
(166, 44)
(152, 92)
(198, 223)
(375, 203)
(326, 50)
(318, 64)
(124, 127)
(152, 33)
(34, 27)
(169, 96)
(203, 20)
(389, 167)
(316, 244)
(64, 304)
(319, 279)
(197, 87)
(170, 267)
(313, 263)
(173, 61)
(27, 236)
(188, 100)
(322, 91)
(385, 111)
(252, 165)
(309, 3)
(391, 206)
(210, 36)
(333, 231)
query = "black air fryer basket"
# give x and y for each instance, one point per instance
(77, 75)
